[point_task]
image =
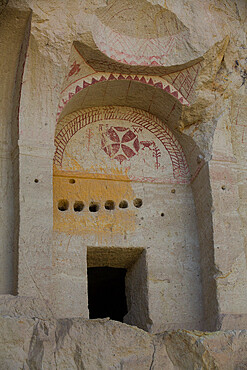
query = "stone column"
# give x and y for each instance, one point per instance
(223, 261)
(229, 255)
(35, 234)
(14, 32)
(39, 99)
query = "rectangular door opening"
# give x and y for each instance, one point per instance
(117, 285)
(106, 293)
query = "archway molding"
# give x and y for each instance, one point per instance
(78, 120)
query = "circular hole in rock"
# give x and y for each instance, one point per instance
(36, 180)
(137, 202)
(78, 206)
(93, 207)
(223, 187)
(109, 205)
(162, 214)
(63, 205)
(123, 204)
(71, 181)
(173, 191)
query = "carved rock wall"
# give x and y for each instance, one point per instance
(211, 127)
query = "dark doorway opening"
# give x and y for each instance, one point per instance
(106, 293)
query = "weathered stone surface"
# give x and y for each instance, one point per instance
(16, 306)
(16, 335)
(3, 3)
(105, 344)
(78, 344)
(198, 350)
(185, 64)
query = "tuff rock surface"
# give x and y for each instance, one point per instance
(36, 42)
(105, 344)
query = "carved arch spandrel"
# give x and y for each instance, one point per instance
(88, 67)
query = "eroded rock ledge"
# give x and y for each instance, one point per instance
(32, 343)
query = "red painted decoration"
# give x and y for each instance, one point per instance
(75, 68)
(120, 143)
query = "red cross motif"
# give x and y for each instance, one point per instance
(120, 143)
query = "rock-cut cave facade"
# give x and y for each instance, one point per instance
(123, 181)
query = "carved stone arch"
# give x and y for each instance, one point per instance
(79, 177)
(78, 120)
(89, 67)
(99, 88)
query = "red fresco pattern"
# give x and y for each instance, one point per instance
(144, 120)
(120, 143)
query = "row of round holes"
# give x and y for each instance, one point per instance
(63, 205)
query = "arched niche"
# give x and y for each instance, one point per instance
(90, 70)
(141, 33)
(127, 93)
(106, 156)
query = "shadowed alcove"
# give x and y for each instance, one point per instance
(106, 293)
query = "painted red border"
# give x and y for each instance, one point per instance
(82, 118)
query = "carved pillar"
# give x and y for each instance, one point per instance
(14, 35)
(229, 256)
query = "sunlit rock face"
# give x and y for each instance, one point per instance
(141, 34)
(123, 181)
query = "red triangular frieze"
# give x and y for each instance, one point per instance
(94, 81)
(159, 85)
(111, 77)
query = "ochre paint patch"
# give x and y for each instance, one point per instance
(92, 189)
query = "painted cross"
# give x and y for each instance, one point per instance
(120, 143)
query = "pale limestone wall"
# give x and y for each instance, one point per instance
(211, 131)
(36, 156)
(220, 81)
(192, 272)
